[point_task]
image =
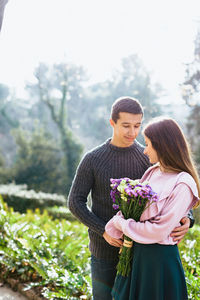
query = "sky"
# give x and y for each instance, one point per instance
(97, 35)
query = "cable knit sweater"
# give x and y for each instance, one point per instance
(93, 175)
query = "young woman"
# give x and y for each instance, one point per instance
(157, 272)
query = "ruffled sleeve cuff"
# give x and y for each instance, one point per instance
(112, 228)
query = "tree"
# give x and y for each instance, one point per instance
(10, 113)
(5, 119)
(191, 95)
(4, 172)
(39, 162)
(132, 79)
(2, 7)
(55, 87)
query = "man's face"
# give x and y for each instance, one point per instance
(126, 129)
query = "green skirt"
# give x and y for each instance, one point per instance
(157, 274)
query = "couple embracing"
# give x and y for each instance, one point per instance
(166, 163)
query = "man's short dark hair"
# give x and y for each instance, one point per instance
(126, 104)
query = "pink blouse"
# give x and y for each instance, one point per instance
(177, 195)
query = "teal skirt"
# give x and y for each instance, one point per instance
(157, 274)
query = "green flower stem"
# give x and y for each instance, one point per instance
(130, 210)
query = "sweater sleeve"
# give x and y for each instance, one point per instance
(77, 199)
(160, 227)
(191, 217)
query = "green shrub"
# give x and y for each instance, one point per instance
(190, 255)
(53, 254)
(18, 197)
(39, 251)
(197, 215)
(60, 212)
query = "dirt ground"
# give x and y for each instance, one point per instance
(7, 294)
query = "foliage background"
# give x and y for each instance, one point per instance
(43, 137)
(52, 256)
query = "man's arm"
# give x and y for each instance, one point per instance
(77, 199)
(191, 217)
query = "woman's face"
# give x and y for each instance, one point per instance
(150, 151)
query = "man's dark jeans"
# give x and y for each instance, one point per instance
(103, 277)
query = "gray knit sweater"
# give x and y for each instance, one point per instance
(93, 175)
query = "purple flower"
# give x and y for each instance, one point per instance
(128, 190)
(112, 195)
(154, 197)
(115, 181)
(130, 197)
(115, 206)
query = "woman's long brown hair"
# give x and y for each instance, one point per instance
(172, 148)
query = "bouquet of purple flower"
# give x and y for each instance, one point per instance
(132, 198)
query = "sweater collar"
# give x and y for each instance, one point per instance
(121, 149)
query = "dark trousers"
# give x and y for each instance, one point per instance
(103, 277)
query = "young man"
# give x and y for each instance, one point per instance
(120, 156)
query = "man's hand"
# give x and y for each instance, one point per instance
(112, 241)
(179, 232)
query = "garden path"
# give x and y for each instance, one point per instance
(7, 294)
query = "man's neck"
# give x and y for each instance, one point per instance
(118, 144)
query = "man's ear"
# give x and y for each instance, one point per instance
(111, 122)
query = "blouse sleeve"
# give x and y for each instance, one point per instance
(159, 227)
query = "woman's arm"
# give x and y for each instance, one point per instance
(160, 227)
